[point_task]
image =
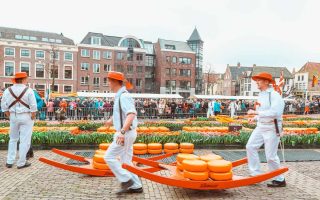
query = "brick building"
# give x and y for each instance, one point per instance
(175, 68)
(46, 57)
(231, 77)
(163, 67)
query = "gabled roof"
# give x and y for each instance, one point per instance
(105, 39)
(178, 45)
(13, 33)
(236, 71)
(312, 68)
(195, 36)
(274, 71)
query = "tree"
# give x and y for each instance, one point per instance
(51, 65)
(210, 77)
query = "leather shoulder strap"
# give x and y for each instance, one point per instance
(18, 99)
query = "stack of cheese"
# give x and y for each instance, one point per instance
(154, 148)
(140, 148)
(186, 147)
(171, 148)
(185, 156)
(98, 158)
(220, 170)
(196, 170)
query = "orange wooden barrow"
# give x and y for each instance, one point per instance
(88, 169)
(176, 178)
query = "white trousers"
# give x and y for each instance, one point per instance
(264, 134)
(232, 112)
(20, 128)
(125, 153)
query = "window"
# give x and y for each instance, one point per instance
(298, 78)
(18, 37)
(105, 81)
(39, 71)
(107, 67)
(185, 85)
(185, 60)
(139, 69)
(173, 72)
(85, 66)
(45, 40)
(172, 47)
(149, 61)
(95, 40)
(6, 85)
(68, 72)
(25, 67)
(172, 85)
(96, 55)
(130, 69)
(96, 68)
(302, 77)
(138, 83)
(139, 56)
(25, 53)
(168, 58)
(185, 72)
(130, 57)
(249, 87)
(174, 59)
(85, 53)
(54, 55)
(39, 54)
(119, 56)
(9, 51)
(67, 88)
(168, 71)
(54, 72)
(55, 88)
(107, 54)
(119, 68)
(84, 80)
(96, 81)
(9, 68)
(40, 87)
(68, 56)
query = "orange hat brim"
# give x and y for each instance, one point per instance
(257, 77)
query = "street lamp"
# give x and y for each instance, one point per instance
(88, 82)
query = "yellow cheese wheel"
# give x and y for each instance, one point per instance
(210, 157)
(100, 152)
(186, 146)
(171, 146)
(151, 151)
(140, 152)
(194, 165)
(190, 151)
(171, 151)
(104, 146)
(97, 165)
(139, 146)
(196, 176)
(179, 166)
(154, 146)
(99, 158)
(185, 156)
(221, 176)
(219, 166)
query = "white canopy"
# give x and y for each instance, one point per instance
(134, 95)
(230, 97)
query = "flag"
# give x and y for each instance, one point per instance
(314, 81)
(279, 87)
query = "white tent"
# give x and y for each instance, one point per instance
(230, 97)
(134, 95)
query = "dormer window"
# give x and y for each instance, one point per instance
(95, 40)
(172, 47)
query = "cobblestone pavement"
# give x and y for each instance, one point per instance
(41, 181)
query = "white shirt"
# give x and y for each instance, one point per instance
(270, 108)
(28, 98)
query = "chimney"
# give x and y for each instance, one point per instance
(238, 64)
(254, 65)
(61, 34)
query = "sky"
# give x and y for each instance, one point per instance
(262, 32)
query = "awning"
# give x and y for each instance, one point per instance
(229, 97)
(133, 95)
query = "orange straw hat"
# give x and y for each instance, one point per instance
(265, 76)
(120, 77)
(19, 75)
